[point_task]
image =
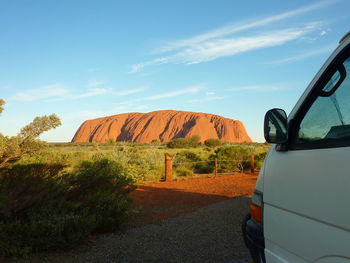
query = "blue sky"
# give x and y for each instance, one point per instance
(88, 59)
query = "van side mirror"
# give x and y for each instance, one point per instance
(275, 126)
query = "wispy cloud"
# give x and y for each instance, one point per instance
(228, 47)
(158, 61)
(306, 54)
(165, 95)
(206, 99)
(171, 94)
(208, 96)
(56, 92)
(91, 93)
(242, 26)
(259, 88)
(95, 83)
(45, 92)
(130, 91)
(84, 115)
(221, 43)
(217, 48)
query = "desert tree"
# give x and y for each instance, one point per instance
(12, 148)
(2, 102)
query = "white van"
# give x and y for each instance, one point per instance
(300, 209)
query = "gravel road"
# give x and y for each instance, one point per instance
(209, 234)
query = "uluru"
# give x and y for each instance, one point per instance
(163, 126)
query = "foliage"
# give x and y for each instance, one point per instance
(259, 159)
(2, 102)
(185, 160)
(184, 172)
(193, 141)
(186, 156)
(155, 142)
(39, 125)
(111, 141)
(212, 142)
(232, 158)
(205, 167)
(25, 143)
(45, 207)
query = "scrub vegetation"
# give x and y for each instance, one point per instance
(53, 195)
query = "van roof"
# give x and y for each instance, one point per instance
(346, 36)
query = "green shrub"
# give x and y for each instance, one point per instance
(232, 158)
(45, 207)
(184, 172)
(212, 142)
(101, 188)
(259, 159)
(186, 156)
(193, 141)
(204, 167)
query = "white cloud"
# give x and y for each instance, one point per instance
(242, 26)
(217, 48)
(46, 92)
(214, 49)
(307, 54)
(83, 115)
(158, 61)
(86, 115)
(56, 92)
(206, 99)
(130, 91)
(220, 42)
(259, 88)
(91, 93)
(95, 83)
(172, 94)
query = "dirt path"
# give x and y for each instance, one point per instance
(163, 200)
(200, 223)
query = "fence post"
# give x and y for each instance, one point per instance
(216, 167)
(252, 168)
(168, 167)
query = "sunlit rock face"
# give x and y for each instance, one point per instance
(162, 126)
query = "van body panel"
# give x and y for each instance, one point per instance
(302, 238)
(276, 254)
(333, 260)
(306, 204)
(313, 183)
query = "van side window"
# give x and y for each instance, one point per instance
(328, 118)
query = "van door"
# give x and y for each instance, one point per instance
(307, 186)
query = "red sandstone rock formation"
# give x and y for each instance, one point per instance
(162, 126)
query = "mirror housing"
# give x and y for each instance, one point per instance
(276, 126)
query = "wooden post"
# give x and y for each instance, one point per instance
(168, 167)
(216, 167)
(252, 168)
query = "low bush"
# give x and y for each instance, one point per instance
(212, 142)
(185, 157)
(232, 158)
(184, 172)
(204, 167)
(259, 159)
(45, 207)
(191, 142)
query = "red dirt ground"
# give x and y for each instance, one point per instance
(162, 200)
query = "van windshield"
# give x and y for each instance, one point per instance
(329, 115)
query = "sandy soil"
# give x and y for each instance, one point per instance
(157, 201)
